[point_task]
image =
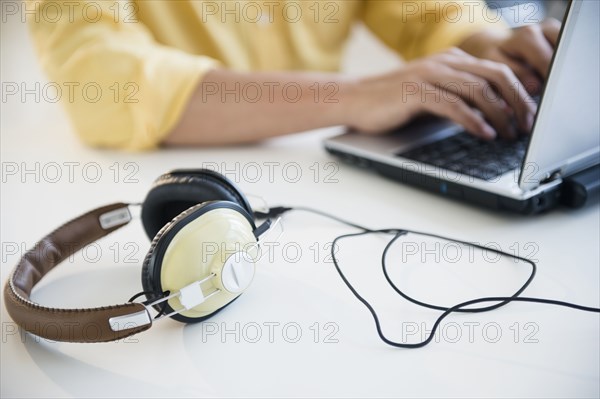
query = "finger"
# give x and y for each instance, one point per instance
(551, 29)
(528, 77)
(530, 44)
(458, 111)
(479, 94)
(505, 82)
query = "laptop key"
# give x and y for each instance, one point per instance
(471, 156)
(455, 167)
(457, 156)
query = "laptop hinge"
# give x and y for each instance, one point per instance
(551, 177)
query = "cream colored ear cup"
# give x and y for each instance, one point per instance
(218, 239)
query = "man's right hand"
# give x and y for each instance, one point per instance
(483, 96)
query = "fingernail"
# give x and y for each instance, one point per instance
(488, 132)
(530, 119)
(534, 107)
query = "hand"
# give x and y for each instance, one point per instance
(452, 84)
(526, 50)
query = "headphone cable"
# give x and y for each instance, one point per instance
(499, 301)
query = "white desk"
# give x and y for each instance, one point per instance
(556, 353)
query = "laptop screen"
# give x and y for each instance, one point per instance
(566, 133)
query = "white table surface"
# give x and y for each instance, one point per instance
(542, 351)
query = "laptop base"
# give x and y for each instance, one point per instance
(539, 203)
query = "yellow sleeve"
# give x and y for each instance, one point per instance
(121, 88)
(418, 28)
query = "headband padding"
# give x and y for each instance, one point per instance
(176, 191)
(58, 324)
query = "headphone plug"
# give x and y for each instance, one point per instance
(272, 213)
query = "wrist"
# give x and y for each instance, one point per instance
(345, 104)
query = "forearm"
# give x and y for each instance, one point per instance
(230, 107)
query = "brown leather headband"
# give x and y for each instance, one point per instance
(71, 325)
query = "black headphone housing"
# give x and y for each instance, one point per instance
(178, 190)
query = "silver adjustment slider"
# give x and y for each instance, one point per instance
(190, 296)
(128, 321)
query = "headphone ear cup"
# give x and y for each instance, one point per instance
(147, 271)
(147, 285)
(159, 265)
(176, 191)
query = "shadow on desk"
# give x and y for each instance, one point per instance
(81, 379)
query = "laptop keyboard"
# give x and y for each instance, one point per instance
(471, 156)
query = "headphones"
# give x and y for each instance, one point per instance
(184, 213)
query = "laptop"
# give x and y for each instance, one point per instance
(523, 176)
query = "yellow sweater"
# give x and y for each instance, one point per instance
(127, 68)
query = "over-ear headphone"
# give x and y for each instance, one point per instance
(184, 213)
